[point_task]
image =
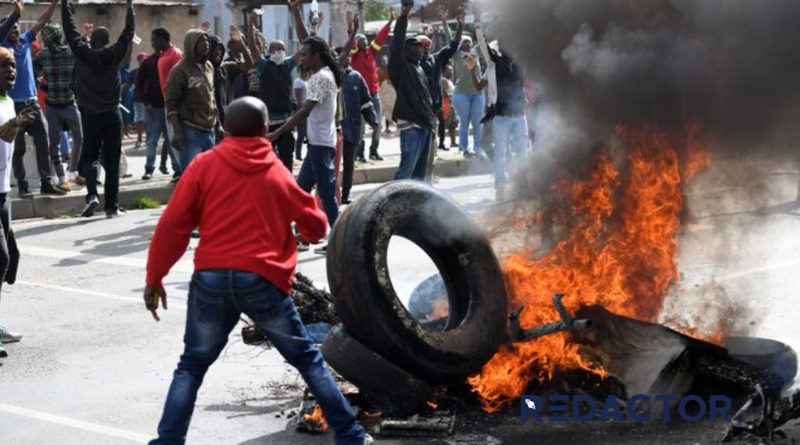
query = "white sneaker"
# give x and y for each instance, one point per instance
(7, 336)
(368, 439)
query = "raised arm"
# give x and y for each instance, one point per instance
(300, 26)
(399, 41)
(12, 19)
(383, 34)
(45, 17)
(126, 60)
(351, 39)
(237, 43)
(251, 37)
(74, 39)
(450, 50)
(487, 56)
(441, 11)
(123, 44)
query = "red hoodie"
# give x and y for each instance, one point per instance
(244, 200)
(364, 61)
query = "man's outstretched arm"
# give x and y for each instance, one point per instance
(120, 49)
(13, 18)
(45, 17)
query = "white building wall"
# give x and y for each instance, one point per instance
(220, 16)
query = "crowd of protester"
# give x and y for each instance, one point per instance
(459, 98)
(263, 109)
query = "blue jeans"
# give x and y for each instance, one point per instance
(195, 141)
(415, 143)
(470, 110)
(156, 127)
(216, 300)
(64, 147)
(317, 170)
(509, 132)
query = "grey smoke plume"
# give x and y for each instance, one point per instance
(733, 64)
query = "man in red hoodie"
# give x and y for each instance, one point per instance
(243, 200)
(363, 59)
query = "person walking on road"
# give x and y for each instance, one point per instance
(363, 58)
(275, 81)
(97, 88)
(413, 110)
(191, 108)
(433, 65)
(320, 110)
(468, 101)
(240, 188)
(57, 63)
(358, 107)
(11, 124)
(148, 88)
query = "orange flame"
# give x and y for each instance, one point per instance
(619, 253)
(317, 418)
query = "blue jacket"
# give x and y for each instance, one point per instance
(357, 104)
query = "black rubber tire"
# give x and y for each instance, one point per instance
(765, 354)
(393, 390)
(367, 303)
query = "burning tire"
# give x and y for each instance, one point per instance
(392, 389)
(368, 305)
(766, 354)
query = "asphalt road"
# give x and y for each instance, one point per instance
(94, 368)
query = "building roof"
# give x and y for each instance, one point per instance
(140, 3)
(122, 2)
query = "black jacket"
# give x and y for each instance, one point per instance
(510, 93)
(97, 83)
(276, 88)
(414, 102)
(433, 67)
(148, 86)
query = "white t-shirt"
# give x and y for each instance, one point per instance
(7, 113)
(322, 89)
(300, 84)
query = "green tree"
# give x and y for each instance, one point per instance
(375, 10)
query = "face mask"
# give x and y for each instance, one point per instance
(278, 57)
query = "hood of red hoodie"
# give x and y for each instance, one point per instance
(247, 154)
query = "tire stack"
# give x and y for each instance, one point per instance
(380, 347)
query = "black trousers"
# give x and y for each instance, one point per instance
(102, 132)
(348, 165)
(5, 220)
(284, 147)
(38, 130)
(442, 125)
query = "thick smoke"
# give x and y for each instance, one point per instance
(734, 65)
(731, 65)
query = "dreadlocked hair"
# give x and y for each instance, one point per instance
(328, 57)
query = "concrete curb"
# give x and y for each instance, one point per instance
(53, 207)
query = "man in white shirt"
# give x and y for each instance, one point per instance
(320, 112)
(10, 125)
